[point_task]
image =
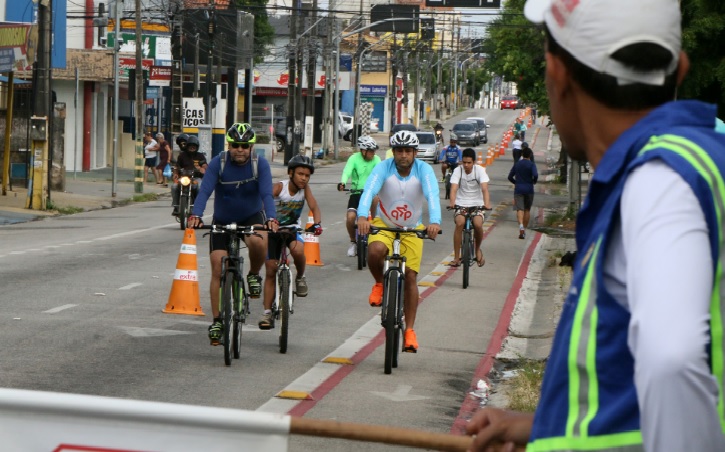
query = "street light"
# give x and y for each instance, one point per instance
(336, 107)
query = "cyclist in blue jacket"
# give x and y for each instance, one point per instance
(450, 157)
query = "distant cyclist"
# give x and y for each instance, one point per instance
(358, 168)
(402, 183)
(242, 188)
(469, 188)
(189, 159)
(290, 196)
(450, 157)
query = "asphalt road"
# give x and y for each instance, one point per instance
(80, 312)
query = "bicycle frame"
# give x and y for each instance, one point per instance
(283, 304)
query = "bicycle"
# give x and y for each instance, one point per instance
(468, 242)
(284, 298)
(393, 294)
(447, 178)
(361, 240)
(233, 295)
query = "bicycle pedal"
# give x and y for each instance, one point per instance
(214, 342)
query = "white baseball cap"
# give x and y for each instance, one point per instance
(592, 30)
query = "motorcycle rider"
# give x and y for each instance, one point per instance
(438, 130)
(189, 159)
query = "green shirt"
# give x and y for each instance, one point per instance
(358, 169)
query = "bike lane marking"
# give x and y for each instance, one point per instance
(302, 394)
(470, 404)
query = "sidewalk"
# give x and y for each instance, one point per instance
(90, 190)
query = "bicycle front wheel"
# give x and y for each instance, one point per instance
(238, 316)
(284, 307)
(361, 251)
(225, 307)
(466, 251)
(390, 305)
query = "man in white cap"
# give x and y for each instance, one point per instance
(638, 360)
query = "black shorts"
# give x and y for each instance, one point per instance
(354, 201)
(275, 243)
(221, 241)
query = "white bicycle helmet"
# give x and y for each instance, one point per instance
(366, 143)
(404, 139)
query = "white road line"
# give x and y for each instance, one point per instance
(60, 308)
(321, 371)
(130, 286)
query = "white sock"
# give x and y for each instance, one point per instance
(267, 311)
(521, 226)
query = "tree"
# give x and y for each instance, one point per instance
(703, 38)
(263, 31)
(515, 51)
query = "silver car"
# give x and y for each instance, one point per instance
(428, 149)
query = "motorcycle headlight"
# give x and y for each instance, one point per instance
(185, 180)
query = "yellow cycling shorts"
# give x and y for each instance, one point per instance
(410, 245)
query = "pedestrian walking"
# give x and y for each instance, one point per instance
(164, 154)
(523, 175)
(150, 151)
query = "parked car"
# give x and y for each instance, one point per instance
(465, 133)
(478, 128)
(399, 127)
(373, 129)
(511, 102)
(482, 126)
(428, 149)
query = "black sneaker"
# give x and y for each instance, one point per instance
(255, 285)
(175, 212)
(522, 234)
(215, 332)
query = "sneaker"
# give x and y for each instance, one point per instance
(376, 295)
(301, 286)
(352, 251)
(522, 234)
(215, 332)
(175, 212)
(410, 341)
(443, 179)
(255, 285)
(267, 321)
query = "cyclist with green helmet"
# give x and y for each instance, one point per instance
(242, 187)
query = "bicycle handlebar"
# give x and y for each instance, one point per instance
(473, 208)
(421, 233)
(234, 227)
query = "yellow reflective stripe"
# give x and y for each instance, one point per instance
(619, 442)
(583, 387)
(708, 170)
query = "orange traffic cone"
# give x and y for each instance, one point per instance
(502, 150)
(312, 244)
(184, 296)
(489, 159)
(479, 162)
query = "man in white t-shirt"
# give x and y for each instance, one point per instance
(517, 146)
(469, 189)
(150, 150)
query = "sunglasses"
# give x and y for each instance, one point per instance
(241, 145)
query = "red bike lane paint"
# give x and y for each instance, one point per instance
(301, 408)
(470, 404)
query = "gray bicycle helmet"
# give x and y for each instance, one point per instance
(366, 143)
(182, 138)
(301, 160)
(193, 141)
(404, 139)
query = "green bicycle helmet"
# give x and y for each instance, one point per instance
(241, 132)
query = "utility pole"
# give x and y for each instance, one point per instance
(116, 88)
(138, 180)
(292, 145)
(208, 80)
(311, 67)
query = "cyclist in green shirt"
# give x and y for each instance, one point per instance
(358, 168)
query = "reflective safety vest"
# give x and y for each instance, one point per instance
(588, 397)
